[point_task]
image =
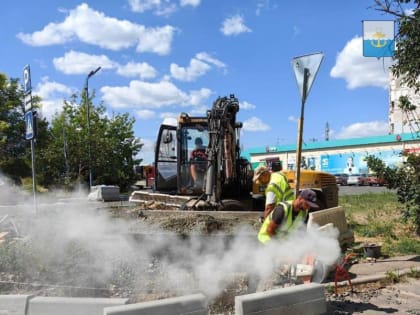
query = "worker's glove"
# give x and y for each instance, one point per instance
(261, 219)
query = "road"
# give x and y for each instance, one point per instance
(358, 190)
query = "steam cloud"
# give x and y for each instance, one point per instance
(79, 244)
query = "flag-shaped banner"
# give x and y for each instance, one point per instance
(378, 39)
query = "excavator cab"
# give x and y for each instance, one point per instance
(180, 156)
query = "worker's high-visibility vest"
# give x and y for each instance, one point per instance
(286, 226)
(280, 187)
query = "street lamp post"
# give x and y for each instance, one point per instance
(92, 73)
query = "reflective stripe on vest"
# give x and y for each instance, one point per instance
(280, 187)
(286, 226)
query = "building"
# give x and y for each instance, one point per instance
(339, 156)
(349, 155)
(402, 121)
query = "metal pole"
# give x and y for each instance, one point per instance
(33, 172)
(300, 131)
(88, 125)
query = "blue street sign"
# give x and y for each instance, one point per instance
(27, 87)
(29, 125)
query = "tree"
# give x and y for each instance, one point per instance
(407, 51)
(112, 142)
(406, 180)
(15, 154)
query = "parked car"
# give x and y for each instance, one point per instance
(373, 180)
(341, 179)
(357, 179)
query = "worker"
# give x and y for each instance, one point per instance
(198, 160)
(287, 216)
(277, 189)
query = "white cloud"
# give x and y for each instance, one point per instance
(142, 94)
(209, 59)
(197, 97)
(255, 124)
(359, 71)
(362, 129)
(52, 95)
(82, 24)
(74, 62)
(262, 5)
(247, 106)
(157, 40)
(195, 69)
(159, 7)
(147, 152)
(199, 110)
(137, 69)
(143, 5)
(193, 3)
(199, 66)
(234, 26)
(292, 118)
(145, 114)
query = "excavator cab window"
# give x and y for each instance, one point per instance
(166, 159)
(193, 164)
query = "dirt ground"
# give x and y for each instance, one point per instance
(375, 297)
(43, 281)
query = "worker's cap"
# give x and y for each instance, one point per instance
(258, 172)
(310, 197)
(198, 140)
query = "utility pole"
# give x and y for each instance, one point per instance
(92, 73)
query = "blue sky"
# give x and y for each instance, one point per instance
(162, 57)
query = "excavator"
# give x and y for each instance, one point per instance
(226, 179)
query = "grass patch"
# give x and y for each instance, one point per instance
(376, 218)
(405, 246)
(375, 229)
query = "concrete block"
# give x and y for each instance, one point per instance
(14, 304)
(71, 306)
(304, 299)
(337, 217)
(104, 193)
(194, 304)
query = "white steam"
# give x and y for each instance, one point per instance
(79, 241)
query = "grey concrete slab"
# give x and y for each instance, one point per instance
(194, 304)
(14, 304)
(305, 299)
(71, 306)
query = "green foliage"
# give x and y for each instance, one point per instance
(406, 180)
(62, 148)
(405, 246)
(407, 51)
(375, 228)
(376, 216)
(15, 154)
(393, 276)
(110, 140)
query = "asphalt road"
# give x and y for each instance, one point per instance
(358, 190)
